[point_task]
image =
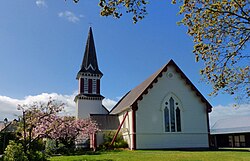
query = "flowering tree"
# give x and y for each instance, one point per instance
(64, 129)
(42, 120)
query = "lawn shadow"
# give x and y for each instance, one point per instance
(94, 160)
(206, 149)
(218, 149)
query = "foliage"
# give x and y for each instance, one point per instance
(37, 145)
(160, 155)
(7, 136)
(50, 147)
(116, 8)
(36, 156)
(14, 152)
(55, 148)
(221, 31)
(108, 136)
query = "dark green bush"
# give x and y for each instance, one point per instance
(5, 137)
(14, 152)
(37, 156)
(37, 145)
(52, 147)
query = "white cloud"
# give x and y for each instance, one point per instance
(229, 111)
(70, 16)
(108, 103)
(8, 105)
(41, 3)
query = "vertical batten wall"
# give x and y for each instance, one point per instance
(126, 129)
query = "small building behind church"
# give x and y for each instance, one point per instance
(164, 111)
(232, 132)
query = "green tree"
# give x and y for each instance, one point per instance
(116, 8)
(220, 31)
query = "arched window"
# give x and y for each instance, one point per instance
(172, 115)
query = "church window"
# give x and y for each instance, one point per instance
(85, 85)
(178, 119)
(90, 86)
(172, 116)
(166, 113)
(94, 86)
(81, 85)
(98, 86)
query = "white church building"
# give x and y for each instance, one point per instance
(166, 111)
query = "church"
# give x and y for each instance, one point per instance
(165, 111)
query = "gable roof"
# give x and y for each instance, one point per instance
(9, 127)
(89, 62)
(231, 125)
(131, 98)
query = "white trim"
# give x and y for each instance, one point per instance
(167, 97)
(90, 66)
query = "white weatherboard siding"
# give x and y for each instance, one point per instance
(162, 141)
(86, 107)
(150, 129)
(126, 129)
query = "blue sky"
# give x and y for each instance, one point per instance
(42, 44)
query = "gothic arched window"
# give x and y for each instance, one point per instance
(172, 115)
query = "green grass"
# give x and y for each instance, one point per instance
(161, 155)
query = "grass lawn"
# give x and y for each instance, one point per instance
(160, 155)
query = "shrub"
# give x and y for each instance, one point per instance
(119, 141)
(50, 147)
(14, 152)
(36, 156)
(37, 145)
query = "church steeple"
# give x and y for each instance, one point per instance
(89, 62)
(89, 75)
(89, 99)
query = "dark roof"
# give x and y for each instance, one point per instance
(231, 125)
(106, 122)
(89, 63)
(131, 98)
(9, 127)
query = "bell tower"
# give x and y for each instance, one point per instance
(89, 100)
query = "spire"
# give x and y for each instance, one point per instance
(89, 63)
